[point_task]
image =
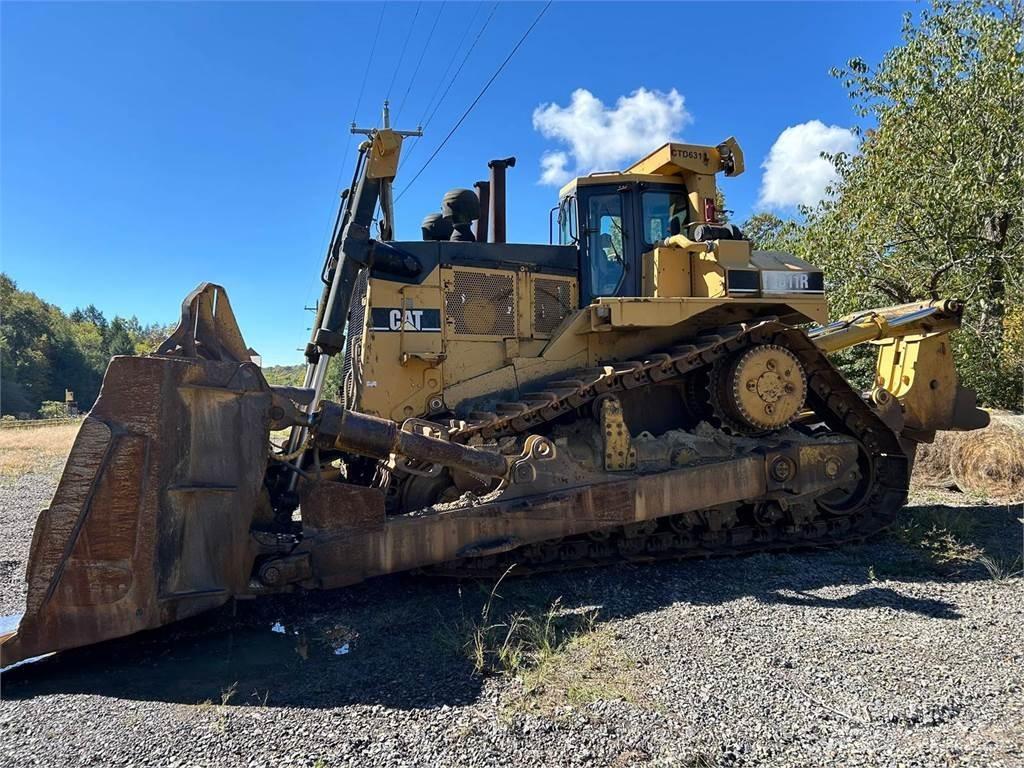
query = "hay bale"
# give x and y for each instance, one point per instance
(990, 462)
(931, 462)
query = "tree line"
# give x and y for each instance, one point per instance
(44, 351)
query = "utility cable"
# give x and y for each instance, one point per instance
(444, 78)
(414, 143)
(348, 140)
(475, 101)
(405, 47)
(416, 70)
(462, 64)
(451, 61)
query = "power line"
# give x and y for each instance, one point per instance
(424, 121)
(416, 70)
(369, 62)
(405, 47)
(451, 61)
(462, 64)
(348, 140)
(476, 100)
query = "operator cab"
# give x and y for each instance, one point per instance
(613, 219)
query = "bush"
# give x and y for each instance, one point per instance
(52, 409)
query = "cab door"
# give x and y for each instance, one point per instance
(609, 262)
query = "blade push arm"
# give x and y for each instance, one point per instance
(914, 365)
(923, 317)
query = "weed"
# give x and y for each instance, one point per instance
(228, 693)
(943, 534)
(261, 698)
(953, 537)
(1001, 569)
(507, 643)
(558, 655)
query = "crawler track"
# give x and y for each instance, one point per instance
(871, 507)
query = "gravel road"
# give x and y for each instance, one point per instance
(887, 653)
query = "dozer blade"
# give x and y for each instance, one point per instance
(150, 520)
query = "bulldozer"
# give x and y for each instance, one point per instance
(647, 385)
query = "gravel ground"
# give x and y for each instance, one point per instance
(878, 654)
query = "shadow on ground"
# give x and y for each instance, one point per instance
(398, 641)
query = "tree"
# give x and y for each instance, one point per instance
(43, 351)
(768, 232)
(933, 203)
(118, 340)
(53, 409)
(89, 315)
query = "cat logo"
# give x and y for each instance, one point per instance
(395, 319)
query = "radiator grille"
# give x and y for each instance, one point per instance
(482, 304)
(553, 300)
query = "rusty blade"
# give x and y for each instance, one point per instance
(150, 520)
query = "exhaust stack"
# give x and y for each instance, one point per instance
(483, 191)
(497, 201)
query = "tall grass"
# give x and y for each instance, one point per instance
(960, 537)
(35, 449)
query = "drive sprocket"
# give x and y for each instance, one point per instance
(758, 390)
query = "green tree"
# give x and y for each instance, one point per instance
(285, 375)
(768, 232)
(43, 351)
(118, 339)
(933, 203)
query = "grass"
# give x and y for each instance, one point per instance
(1002, 569)
(589, 667)
(943, 535)
(34, 449)
(560, 656)
(953, 539)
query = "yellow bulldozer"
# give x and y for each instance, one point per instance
(649, 386)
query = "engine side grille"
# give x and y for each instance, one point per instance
(481, 304)
(553, 301)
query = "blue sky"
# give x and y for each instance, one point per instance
(145, 148)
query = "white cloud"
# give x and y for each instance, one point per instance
(602, 138)
(794, 171)
(553, 168)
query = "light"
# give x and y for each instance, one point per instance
(709, 210)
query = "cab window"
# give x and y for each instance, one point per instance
(664, 214)
(604, 244)
(567, 221)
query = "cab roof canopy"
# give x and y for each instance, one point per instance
(671, 163)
